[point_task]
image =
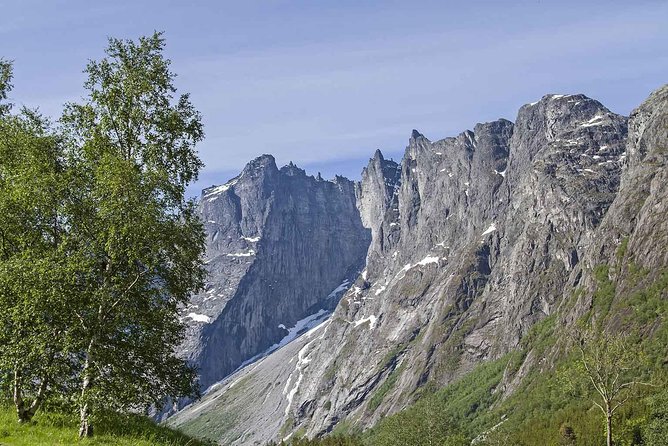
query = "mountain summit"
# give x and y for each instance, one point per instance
(474, 239)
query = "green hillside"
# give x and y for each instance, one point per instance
(551, 403)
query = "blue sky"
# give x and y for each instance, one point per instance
(325, 83)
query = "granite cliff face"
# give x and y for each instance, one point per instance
(474, 239)
(281, 248)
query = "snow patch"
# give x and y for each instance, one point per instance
(302, 361)
(213, 193)
(427, 260)
(380, 290)
(503, 173)
(471, 140)
(342, 287)
(489, 230)
(199, 318)
(302, 326)
(371, 320)
(593, 121)
(252, 239)
(241, 254)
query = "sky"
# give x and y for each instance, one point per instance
(326, 83)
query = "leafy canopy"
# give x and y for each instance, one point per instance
(142, 239)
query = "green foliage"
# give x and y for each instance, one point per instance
(426, 425)
(57, 428)
(604, 294)
(449, 416)
(330, 440)
(655, 430)
(98, 245)
(345, 428)
(38, 262)
(135, 143)
(622, 248)
(541, 335)
(379, 395)
(5, 85)
(287, 426)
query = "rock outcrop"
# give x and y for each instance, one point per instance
(475, 238)
(281, 248)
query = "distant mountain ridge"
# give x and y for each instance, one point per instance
(279, 243)
(474, 239)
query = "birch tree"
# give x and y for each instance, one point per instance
(136, 143)
(613, 367)
(35, 268)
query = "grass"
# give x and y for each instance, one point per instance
(51, 428)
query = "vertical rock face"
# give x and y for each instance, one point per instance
(633, 234)
(279, 242)
(474, 239)
(376, 194)
(485, 232)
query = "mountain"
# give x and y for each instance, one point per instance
(281, 249)
(474, 240)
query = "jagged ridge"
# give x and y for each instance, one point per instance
(279, 242)
(477, 238)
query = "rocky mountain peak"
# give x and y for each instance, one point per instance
(415, 134)
(475, 238)
(279, 243)
(261, 162)
(292, 170)
(650, 115)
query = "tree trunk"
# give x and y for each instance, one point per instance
(85, 426)
(608, 428)
(18, 398)
(25, 414)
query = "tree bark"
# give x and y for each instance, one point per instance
(26, 414)
(85, 426)
(18, 397)
(608, 428)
